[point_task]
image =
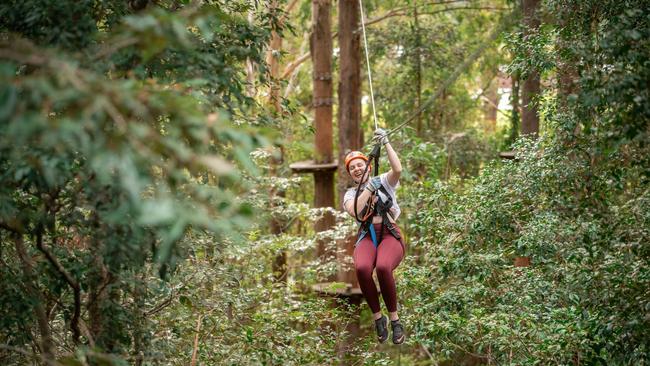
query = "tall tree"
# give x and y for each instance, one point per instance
(349, 88)
(418, 68)
(321, 54)
(277, 157)
(349, 96)
(530, 88)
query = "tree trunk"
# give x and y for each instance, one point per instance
(349, 92)
(276, 225)
(279, 266)
(46, 344)
(567, 76)
(251, 90)
(349, 115)
(418, 69)
(321, 53)
(139, 321)
(514, 100)
(273, 60)
(98, 296)
(531, 85)
(491, 105)
(567, 72)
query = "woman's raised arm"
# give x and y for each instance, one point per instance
(395, 165)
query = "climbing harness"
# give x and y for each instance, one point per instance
(380, 208)
(372, 157)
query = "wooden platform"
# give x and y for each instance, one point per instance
(508, 155)
(338, 289)
(522, 262)
(309, 166)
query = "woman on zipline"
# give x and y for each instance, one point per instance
(379, 244)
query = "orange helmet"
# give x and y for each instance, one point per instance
(354, 155)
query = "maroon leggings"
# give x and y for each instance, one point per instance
(386, 257)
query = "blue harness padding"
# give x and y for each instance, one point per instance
(373, 235)
(384, 208)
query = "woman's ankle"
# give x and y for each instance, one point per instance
(393, 316)
(377, 316)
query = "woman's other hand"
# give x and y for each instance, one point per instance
(380, 135)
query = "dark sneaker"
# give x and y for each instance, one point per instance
(398, 332)
(381, 326)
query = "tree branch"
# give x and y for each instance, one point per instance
(464, 8)
(74, 322)
(12, 227)
(294, 72)
(294, 64)
(430, 3)
(195, 349)
(290, 7)
(107, 281)
(160, 306)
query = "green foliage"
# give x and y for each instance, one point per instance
(575, 202)
(108, 156)
(70, 25)
(411, 58)
(466, 295)
(460, 155)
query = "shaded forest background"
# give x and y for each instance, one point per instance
(149, 216)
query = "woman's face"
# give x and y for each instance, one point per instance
(356, 169)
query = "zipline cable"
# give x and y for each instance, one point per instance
(374, 155)
(365, 43)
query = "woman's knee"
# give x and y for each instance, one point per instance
(364, 270)
(384, 270)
